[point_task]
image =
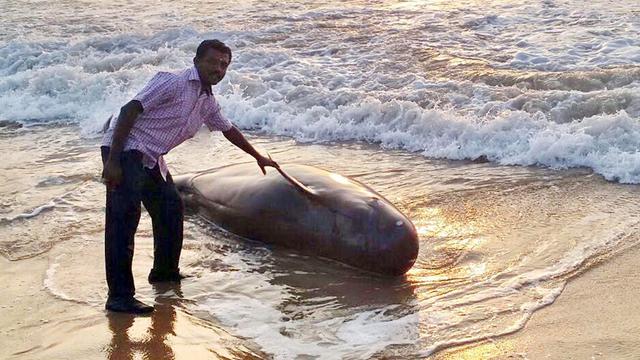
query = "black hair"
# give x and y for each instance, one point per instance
(212, 44)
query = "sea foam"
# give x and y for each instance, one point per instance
(499, 85)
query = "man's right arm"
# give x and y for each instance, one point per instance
(112, 172)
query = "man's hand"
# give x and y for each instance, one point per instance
(236, 138)
(112, 171)
(264, 161)
(112, 174)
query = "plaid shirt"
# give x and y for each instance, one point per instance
(175, 107)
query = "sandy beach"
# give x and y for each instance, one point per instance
(37, 325)
(596, 317)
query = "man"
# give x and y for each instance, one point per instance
(169, 110)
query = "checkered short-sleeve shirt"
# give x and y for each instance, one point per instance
(174, 109)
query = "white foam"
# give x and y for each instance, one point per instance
(52, 204)
(282, 89)
(251, 304)
(606, 143)
(322, 333)
(33, 213)
(49, 281)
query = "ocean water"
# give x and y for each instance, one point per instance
(508, 131)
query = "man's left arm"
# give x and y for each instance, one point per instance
(236, 138)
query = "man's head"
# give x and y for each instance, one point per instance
(212, 59)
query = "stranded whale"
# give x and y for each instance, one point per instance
(314, 211)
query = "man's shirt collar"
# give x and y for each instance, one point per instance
(194, 76)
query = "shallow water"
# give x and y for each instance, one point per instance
(401, 96)
(497, 243)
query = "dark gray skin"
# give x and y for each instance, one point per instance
(342, 220)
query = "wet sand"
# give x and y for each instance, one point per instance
(595, 317)
(36, 325)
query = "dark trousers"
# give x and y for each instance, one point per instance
(162, 201)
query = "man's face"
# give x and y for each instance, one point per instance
(212, 66)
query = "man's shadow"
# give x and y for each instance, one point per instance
(154, 344)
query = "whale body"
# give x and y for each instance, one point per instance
(337, 218)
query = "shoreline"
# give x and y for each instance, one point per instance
(595, 317)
